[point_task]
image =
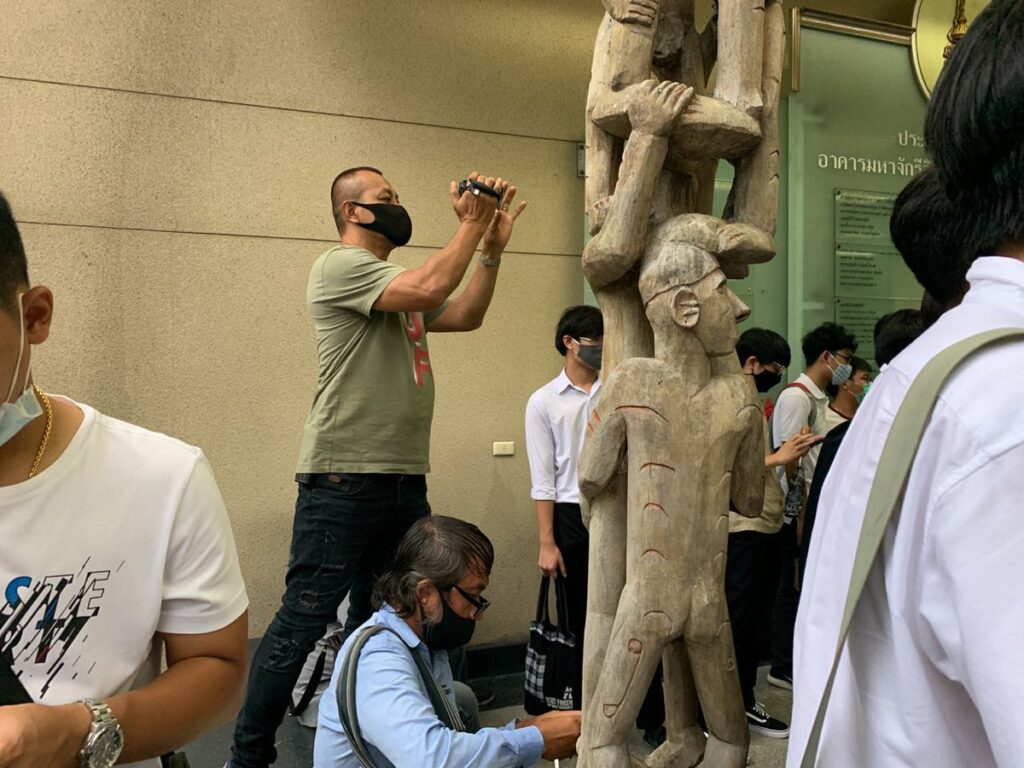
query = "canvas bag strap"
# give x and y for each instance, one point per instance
(893, 469)
(446, 712)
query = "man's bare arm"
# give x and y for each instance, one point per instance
(467, 311)
(425, 288)
(201, 689)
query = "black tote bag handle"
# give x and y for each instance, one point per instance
(561, 604)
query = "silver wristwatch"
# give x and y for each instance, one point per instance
(105, 740)
(487, 261)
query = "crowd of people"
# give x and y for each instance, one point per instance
(143, 567)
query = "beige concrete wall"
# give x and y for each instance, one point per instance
(169, 165)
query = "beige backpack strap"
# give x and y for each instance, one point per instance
(891, 478)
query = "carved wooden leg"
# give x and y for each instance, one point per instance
(713, 662)
(684, 746)
(638, 638)
(606, 579)
(755, 192)
(740, 43)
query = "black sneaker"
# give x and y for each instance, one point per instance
(766, 725)
(780, 680)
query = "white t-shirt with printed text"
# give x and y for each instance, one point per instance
(124, 536)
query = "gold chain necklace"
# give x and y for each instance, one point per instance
(46, 432)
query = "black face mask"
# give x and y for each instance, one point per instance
(389, 220)
(766, 379)
(591, 355)
(453, 631)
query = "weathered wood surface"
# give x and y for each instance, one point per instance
(677, 437)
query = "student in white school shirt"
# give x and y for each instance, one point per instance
(847, 397)
(556, 417)
(113, 540)
(828, 352)
(930, 674)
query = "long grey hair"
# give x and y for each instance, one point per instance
(440, 549)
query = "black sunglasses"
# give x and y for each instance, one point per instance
(480, 604)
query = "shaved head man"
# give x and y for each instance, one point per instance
(365, 448)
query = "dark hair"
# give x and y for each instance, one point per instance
(13, 265)
(827, 337)
(857, 364)
(895, 332)
(441, 549)
(973, 129)
(767, 346)
(583, 321)
(925, 232)
(336, 197)
(931, 310)
(860, 364)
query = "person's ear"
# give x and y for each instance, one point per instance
(750, 365)
(685, 308)
(428, 599)
(355, 214)
(37, 306)
(568, 341)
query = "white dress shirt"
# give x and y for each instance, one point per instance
(931, 674)
(556, 417)
(794, 410)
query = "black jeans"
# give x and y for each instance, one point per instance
(786, 600)
(346, 531)
(749, 582)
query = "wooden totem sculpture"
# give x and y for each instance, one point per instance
(674, 403)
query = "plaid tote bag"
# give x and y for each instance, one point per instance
(551, 664)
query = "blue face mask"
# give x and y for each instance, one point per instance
(863, 393)
(841, 372)
(14, 416)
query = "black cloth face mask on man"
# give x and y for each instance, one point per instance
(390, 220)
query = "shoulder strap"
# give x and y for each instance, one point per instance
(769, 415)
(891, 477)
(346, 694)
(798, 385)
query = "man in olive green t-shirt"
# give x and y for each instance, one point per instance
(365, 447)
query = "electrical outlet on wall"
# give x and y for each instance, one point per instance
(505, 448)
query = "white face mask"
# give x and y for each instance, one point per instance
(15, 416)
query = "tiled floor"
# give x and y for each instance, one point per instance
(295, 743)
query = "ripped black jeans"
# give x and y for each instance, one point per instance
(346, 531)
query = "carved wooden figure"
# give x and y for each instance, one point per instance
(693, 443)
(652, 151)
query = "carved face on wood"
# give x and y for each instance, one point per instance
(710, 310)
(705, 307)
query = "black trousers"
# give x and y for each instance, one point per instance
(750, 584)
(786, 599)
(573, 541)
(346, 531)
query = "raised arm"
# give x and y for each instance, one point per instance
(467, 311)
(617, 248)
(427, 287)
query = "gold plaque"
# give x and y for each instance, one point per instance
(933, 20)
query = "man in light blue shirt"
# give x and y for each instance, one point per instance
(430, 601)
